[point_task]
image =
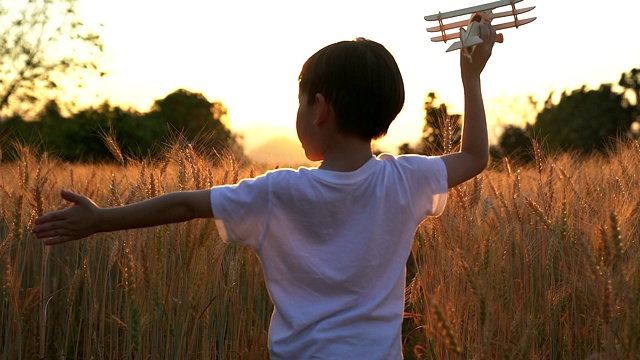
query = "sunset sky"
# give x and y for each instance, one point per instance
(248, 54)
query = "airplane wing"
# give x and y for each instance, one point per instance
(496, 26)
(458, 24)
(470, 10)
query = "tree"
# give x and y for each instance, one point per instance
(583, 120)
(42, 45)
(406, 148)
(196, 119)
(441, 132)
(81, 136)
(631, 81)
(514, 143)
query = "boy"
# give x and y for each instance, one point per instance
(333, 240)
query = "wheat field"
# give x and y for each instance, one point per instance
(535, 262)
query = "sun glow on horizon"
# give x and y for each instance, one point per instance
(248, 55)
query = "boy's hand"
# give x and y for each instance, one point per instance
(73, 223)
(473, 156)
(471, 68)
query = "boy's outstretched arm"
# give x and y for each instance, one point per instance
(474, 151)
(85, 218)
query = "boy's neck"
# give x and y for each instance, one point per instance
(347, 155)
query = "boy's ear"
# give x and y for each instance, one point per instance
(324, 109)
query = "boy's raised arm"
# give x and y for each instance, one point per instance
(474, 151)
(85, 218)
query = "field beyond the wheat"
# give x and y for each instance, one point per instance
(535, 262)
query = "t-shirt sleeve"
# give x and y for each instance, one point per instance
(241, 210)
(438, 182)
(428, 183)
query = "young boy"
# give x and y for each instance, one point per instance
(333, 240)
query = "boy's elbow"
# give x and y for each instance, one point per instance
(464, 166)
(478, 163)
(481, 162)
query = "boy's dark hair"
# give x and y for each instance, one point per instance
(361, 80)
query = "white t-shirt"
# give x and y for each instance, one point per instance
(334, 247)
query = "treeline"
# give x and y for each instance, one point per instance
(182, 116)
(582, 121)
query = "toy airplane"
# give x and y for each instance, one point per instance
(470, 37)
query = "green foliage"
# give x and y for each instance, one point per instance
(195, 118)
(584, 120)
(515, 143)
(441, 132)
(80, 136)
(631, 82)
(43, 44)
(83, 135)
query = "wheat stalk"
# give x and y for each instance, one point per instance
(114, 148)
(443, 326)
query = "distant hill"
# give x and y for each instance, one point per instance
(281, 151)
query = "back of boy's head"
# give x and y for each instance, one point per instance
(362, 82)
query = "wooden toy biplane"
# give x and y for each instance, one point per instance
(470, 36)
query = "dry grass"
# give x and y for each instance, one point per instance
(539, 263)
(525, 263)
(175, 291)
